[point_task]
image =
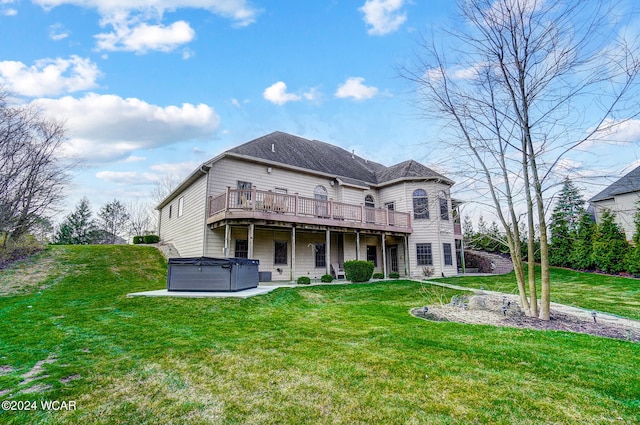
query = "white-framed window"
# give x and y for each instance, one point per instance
(420, 204)
(180, 206)
(369, 201)
(424, 255)
(448, 257)
(444, 205)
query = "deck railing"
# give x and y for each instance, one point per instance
(295, 205)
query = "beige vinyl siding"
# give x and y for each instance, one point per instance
(186, 231)
(624, 206)
(228, 171)
(397, 195)
(426, 230)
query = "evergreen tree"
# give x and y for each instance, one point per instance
(633, 257)
(77, 228)
(580, 256)
(467, 229)
(564, 224)
(610, 245)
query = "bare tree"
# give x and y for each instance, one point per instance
(161, 190)
(33, 176)
(525, 83)
(114, 218)
(140, 217)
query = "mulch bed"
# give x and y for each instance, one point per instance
(499, 310)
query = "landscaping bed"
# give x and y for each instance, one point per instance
(503, 310)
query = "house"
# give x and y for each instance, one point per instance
(303, 207)
(620, 198)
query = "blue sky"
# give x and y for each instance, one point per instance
(149, 87)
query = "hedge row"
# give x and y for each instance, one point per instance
(146, 239)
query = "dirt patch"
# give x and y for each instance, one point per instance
(70, 378)
(5, 370)
(31, 274)
(37, 369)
(503, 310)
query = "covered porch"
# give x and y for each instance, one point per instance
(290, 250)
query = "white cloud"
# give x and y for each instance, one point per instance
(180, 169)
(9, 12)
(127, 177)
(105, 128)
(354, 88)
(238, 11)
(142, 38)
(277, 93)
(312, 94)
(58, 32)
(383, 16)
(134, 158)
(49, 76)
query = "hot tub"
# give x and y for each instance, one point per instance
(212, 274)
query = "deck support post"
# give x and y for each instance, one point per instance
(384, 255)
(328, 251)
(250, 242)
(227, 240)
(293, 253)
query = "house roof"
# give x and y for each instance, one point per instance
(320, 157)
(325, 158)
(628, 183)
(312, 155)
(409, 170)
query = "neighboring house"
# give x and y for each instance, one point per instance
(620, 198)
(303, 206)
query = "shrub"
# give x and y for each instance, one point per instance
(378, 275)
(394, 275)
(326, 278)
(138, 239)
(610, 245)
(151, 239)
(358, 270)
(13, 251)
(303, 280)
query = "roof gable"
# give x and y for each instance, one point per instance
(630, 182)
(408, 170)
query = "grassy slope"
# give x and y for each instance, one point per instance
(334, 354)
(611, 294)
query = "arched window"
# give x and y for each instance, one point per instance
(320, 193)
(368, 201)
(322, 206)
(444, 205)
(420, 204)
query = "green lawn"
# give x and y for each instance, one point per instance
(611, 294)
(342, 354)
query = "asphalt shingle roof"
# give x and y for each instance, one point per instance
(323, 157)
(630, 182)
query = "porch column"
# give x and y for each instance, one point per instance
(384, 255)
(407, 268)
(328, 251)
(293, 253)
(357, 244)
(227, 240)
(252, 228)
